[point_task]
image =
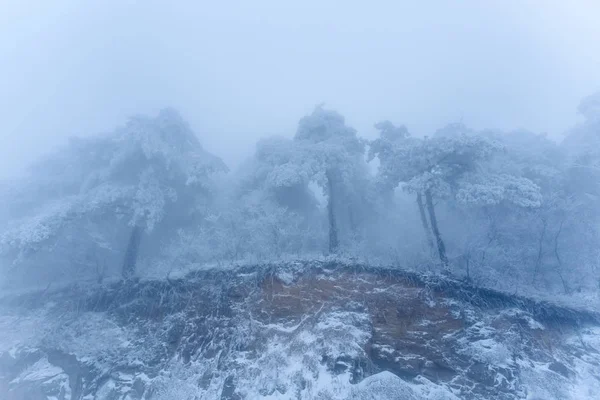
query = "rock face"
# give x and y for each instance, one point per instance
(294, 331)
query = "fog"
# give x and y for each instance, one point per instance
(310, 199)
(240, 70)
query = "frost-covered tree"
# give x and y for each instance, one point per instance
(265, 211)
(324, 154)
(583, 148)
(331, 154)
(532, 158)
(454, 165)
(150, 173)
(385, 148)
(430, 168)
(582, 170)
(278, 169)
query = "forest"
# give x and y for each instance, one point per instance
(516, 211)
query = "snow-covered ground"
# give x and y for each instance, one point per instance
(296, 331)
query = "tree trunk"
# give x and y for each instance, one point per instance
(424, 222)
(131, 253)
(557, 255)
(352, 220)
(538, 261)
(333, 233)
(436, 232)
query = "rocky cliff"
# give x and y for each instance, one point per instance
(310, 330)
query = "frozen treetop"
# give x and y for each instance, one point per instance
(590, 107)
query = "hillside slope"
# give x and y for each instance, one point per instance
(294, 331)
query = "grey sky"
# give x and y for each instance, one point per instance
(240, 70)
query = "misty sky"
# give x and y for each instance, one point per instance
(240, 70)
